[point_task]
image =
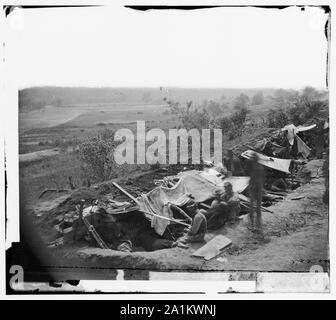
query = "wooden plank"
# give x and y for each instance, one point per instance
(213, 248)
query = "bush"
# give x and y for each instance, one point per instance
(258, 98)
(277, 118)
(96, 156)
(233, 125)
(297, 108)
(241, 101)
(197, 118)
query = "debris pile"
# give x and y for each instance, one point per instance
(178, 210)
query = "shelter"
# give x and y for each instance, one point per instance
(270, 162)
(200, 184)
(292, 135)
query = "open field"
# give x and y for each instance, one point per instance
(87, 115)
(49, 136)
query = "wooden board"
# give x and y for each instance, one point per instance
(213, 248)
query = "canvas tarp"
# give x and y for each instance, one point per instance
(239, 184)
(305, 128)
(270, 162)
(191, 182)
(302, 147)
(292, 132)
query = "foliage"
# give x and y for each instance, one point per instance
(190, 117)
(233, 125)
(241, 101)
(213, 114)
(96, 156)
(277, 118)
(258, 99)
(296, 107)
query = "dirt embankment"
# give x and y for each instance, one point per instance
(296, 234)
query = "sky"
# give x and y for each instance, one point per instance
(120, 47)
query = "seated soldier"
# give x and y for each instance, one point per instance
(198, 228)
(225, 207)
(231, 199)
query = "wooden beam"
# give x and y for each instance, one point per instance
(125, 192)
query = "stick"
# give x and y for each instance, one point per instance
(204, 205)
(125, 192)
(165, 218)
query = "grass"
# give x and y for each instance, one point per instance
(50, 172)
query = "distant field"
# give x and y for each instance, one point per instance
(37, 155)
(87, 115)
(46, 117)
(117, 114)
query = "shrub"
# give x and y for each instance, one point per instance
(233, 125)
(258, 98)
(277, 118)
(197, 118)
(295, 107)
(96, 156)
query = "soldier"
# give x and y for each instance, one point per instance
(256, 185)
(198, 228)
(224, 208)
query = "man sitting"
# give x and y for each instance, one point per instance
(190, 211)
(224, 208)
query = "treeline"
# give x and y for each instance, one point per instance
(231, 115)
(38, 97)
(298, 107)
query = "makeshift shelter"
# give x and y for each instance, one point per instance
(270, 162)
(200, 184)
(293, 138)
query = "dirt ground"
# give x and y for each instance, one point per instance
(296, 235)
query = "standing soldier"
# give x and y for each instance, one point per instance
(257, 177)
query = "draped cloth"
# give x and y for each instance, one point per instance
(270, 162)
(200, 184)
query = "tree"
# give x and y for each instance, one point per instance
(241, 101)
(297, 108)
(311, 94)
(258, 98)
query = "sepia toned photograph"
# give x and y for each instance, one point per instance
(167, 143)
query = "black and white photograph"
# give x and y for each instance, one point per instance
(182, 148)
